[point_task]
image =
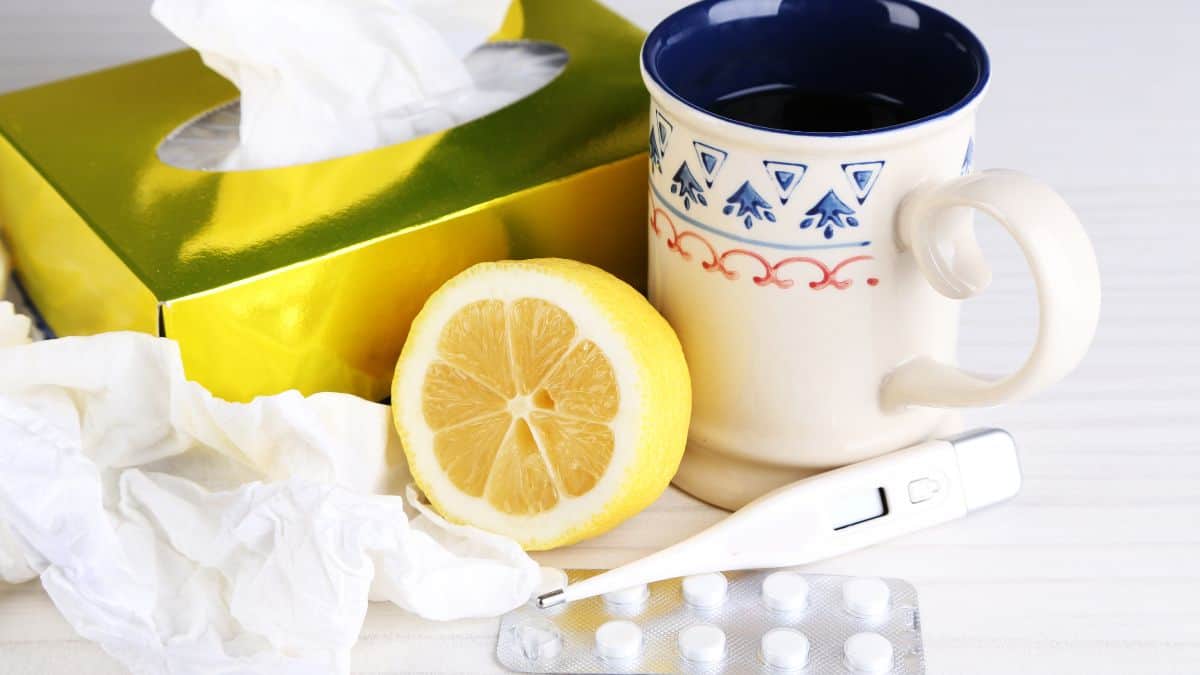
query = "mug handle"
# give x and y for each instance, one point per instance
(1059, 255)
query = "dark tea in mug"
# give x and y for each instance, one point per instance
(790, 108)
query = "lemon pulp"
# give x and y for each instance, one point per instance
(519, 406)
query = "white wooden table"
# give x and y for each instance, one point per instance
(1095, 566)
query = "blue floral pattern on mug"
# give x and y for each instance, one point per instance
(703, 170)
(828, 213)
(750, 205)
(686, 186)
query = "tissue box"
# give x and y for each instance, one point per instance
(308, 276)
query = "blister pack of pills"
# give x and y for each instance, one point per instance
(777, 621)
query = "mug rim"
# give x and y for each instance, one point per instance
(659, 36)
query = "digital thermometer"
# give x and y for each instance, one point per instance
(834, 512)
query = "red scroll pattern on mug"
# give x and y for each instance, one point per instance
(718, 262)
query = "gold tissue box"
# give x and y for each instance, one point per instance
(307, 277)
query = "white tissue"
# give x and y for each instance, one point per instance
(186, 534)
(324, 78)
(14, 330)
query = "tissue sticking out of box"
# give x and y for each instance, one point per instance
(326, 78)
(14, 328)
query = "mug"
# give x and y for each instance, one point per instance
(814, 277)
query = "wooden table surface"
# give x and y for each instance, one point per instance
(1095, 566)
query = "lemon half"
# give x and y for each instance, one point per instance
(545, 400)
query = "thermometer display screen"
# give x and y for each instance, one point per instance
(857, 507)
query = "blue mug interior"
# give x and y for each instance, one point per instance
(895, 50)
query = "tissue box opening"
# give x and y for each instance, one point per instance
(503, 72)
(307, 276)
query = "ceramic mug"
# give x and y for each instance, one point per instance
(814, 278)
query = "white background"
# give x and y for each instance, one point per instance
(1095, 567)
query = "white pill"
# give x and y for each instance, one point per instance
(784, 648)
(868, 653)
(618, 639)
(634, 595)
(702, 643)
(705, 590)
(866, 598)
(785, 592)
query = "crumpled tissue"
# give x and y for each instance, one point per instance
(325, 78)
(186, 534)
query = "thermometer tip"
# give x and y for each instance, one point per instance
(547, 600)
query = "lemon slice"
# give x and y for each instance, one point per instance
(544, 400)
